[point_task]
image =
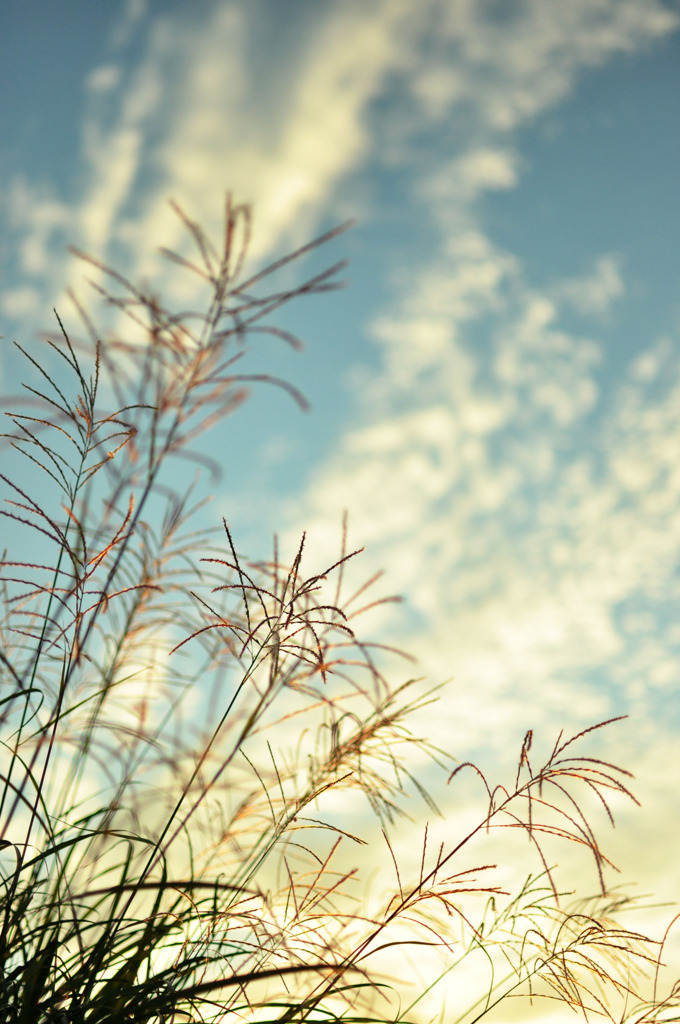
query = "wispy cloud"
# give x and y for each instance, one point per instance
(597, 291)
(511, 63)
(502, 494)
(204, 111)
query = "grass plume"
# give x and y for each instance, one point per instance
(184, 728)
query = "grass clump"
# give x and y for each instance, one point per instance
(184, 730)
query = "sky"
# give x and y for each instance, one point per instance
(495, 395)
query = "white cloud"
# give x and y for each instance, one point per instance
(478, 170)
(46, 215)
(198, 115)
(103, 79)
(596, 292)
(515, 545)
(217, 125)
(526, 59)
(20, 302)
(133, 12)
(649, 364)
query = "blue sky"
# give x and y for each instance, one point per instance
(496, 395)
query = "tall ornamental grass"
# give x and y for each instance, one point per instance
(200, 754)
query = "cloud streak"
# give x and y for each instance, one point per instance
(530, 521)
